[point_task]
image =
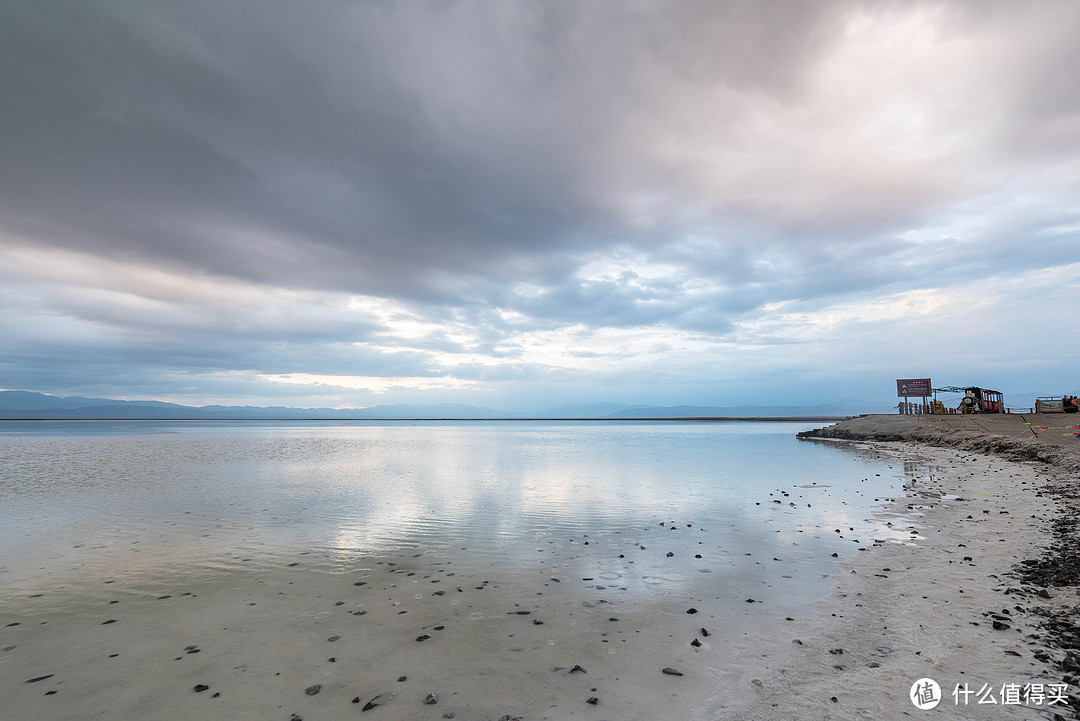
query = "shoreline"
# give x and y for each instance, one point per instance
(985, 594)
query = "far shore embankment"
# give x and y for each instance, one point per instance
(1047, 437)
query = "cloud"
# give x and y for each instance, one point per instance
(505, 194)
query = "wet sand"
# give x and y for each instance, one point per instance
(958, 604)
(297, 641)
(294, 641)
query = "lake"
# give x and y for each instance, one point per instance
(738, 522)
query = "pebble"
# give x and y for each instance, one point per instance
(671, 672)
(312, 690)
(431, 699)
(200, 687)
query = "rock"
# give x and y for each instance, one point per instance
(691, 610)
(999, 626)
(836, 651)
(200, 687)
(380, 700)
(593, 700)
(695, 643)
(312, 690)
(333, 638)
(423, 637)
(671, 672)
(578, 669)
(39, 678)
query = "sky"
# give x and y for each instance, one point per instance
(518, 205)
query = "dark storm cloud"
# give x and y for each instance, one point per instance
(357, 146)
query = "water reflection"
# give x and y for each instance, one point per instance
(739, 505)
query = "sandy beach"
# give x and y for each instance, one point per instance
(983, 597)
(962, 584)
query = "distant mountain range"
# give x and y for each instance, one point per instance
(29, 405)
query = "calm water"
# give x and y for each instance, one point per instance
(141, 501)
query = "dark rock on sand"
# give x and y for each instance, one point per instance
(671, 672)
(200, 687)
(312, 690)
(431, 699)
(380, 700)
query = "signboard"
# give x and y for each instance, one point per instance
(908, 387)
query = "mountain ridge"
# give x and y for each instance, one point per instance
(29, 405)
